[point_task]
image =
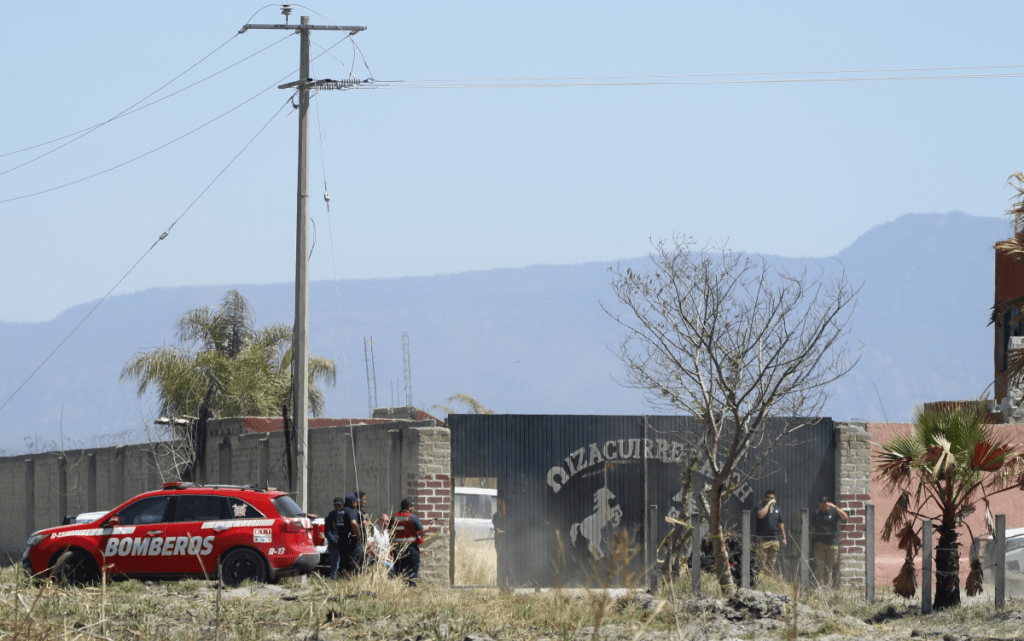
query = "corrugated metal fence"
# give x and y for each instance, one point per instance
(568, 485)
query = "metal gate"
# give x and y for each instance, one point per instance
(569, 485)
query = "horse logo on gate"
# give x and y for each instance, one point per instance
(593, 526)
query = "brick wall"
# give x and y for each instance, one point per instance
(853, 492)
(428, 481)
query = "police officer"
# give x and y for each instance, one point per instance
(349, 533)
(366, 529)
(408, 536)
(825, 524)
(769, 528)
(332, 532)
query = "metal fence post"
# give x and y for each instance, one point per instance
(695, 551)
(745, 556)
(652, 547)
(805, 535)
(1000, 560)
(869, 552)
(926, 566)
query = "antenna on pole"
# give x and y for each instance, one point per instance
(407, 369)
(371, 373)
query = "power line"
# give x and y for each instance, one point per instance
(132, 110)
(723, 75)
(143, 155)
(185, 135)
(146, 253)
(641, 81)
(121, 114)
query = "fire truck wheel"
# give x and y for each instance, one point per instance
(243, 564)
(75, 567)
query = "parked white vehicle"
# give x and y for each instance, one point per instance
(472, 510)
(1014, 562)
(1014, 553)
(89, 517)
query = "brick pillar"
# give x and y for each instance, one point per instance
(428, 481)
(853, 491)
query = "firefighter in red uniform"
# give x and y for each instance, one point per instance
(408, 536)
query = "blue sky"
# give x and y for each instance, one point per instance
(436, 181)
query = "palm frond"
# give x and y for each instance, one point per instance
(975, 579)
(905, 583)
(908, 539)
(897, 516)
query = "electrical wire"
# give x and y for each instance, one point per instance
(128, 113)
(146, 253)
(185, 135)
(354, 44)
(337, 295)
(513, 84)
(123, 113)
(88, 130)
(141, 156)
(723, 75)
(349, 70)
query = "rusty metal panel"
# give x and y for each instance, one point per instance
(569, 485)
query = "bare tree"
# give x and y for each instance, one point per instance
(726, 338)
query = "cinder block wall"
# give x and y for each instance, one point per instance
(40, 489)
(853, 492)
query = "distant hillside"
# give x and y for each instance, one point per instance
(530, 340)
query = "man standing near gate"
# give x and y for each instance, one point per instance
(825, 536)
(408, 536)
(768, 530)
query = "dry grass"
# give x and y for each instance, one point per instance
(476, 563)
(373, 606)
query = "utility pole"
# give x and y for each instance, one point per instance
(300, 343)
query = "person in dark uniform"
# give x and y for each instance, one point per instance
(825, 522)
(767, 533)
(500, 523)
(408, 537)
(349, 533)
(365, 530)
(333, 536)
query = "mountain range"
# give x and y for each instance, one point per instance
(530, 340)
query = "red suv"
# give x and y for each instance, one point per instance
(182, 530)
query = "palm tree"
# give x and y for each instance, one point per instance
(941, 471)
(225, 368)
(475, 406)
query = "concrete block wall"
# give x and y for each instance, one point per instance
(40, 489)
(852, 492)
(13, 500)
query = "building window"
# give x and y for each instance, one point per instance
(1009, 327)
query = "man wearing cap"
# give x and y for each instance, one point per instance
(825, 540)
(350, 536)
(769, 533)
(332, 532)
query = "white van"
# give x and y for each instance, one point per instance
(472, 510)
